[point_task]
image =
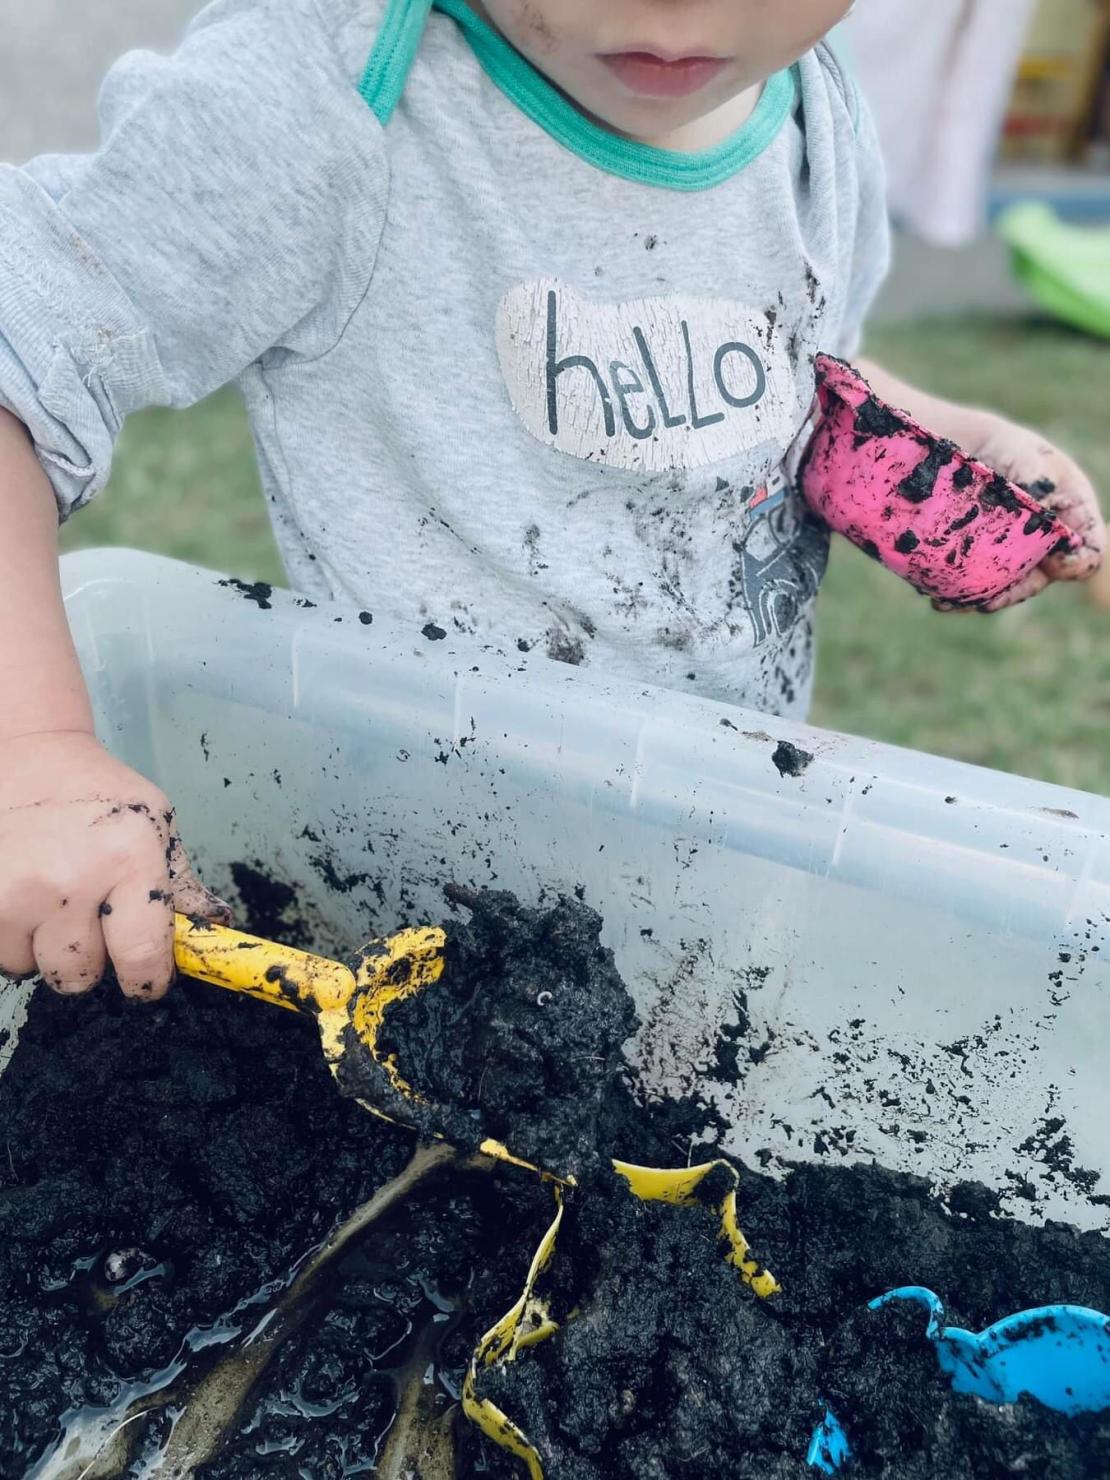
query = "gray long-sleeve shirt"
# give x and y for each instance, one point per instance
(508, 376)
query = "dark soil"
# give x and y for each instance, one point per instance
(521, 1038)
(876, 419)
(905, 1420)
(791, 760)
(267, 903)
(672, 1361)
(260, 592)
(198, 1141)
(920, 484)
(408, 1304)
(163, 1164)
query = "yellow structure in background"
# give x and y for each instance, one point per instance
(1061, 74)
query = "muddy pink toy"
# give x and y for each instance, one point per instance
(951, 526)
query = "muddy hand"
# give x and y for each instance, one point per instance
(1059, 482)
(91, 868)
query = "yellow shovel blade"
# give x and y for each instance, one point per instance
(528, 1322)
(388, 971)
(650, 1184)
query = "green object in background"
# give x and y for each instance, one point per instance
(1065, 268)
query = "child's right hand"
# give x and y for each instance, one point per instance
(91, 868)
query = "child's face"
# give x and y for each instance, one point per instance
(649, 67)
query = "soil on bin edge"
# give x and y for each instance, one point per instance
(166, 1163)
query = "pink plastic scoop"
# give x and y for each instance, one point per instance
(951, 526)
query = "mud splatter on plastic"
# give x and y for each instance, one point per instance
(260, 592)
(790, 759)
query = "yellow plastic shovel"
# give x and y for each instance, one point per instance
(349, 1005)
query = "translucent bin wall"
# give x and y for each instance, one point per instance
(918, 946)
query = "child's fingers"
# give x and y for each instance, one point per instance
(17, 955)
(69, 950)
(138, 932)
(1075, 502)
(1080, 564)
(190, 897)
(1031, 585)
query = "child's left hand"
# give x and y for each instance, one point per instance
(1024, 457)
(1059, 482)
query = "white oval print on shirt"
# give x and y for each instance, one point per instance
(652, 384)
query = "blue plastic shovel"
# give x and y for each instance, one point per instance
(1058, 1354)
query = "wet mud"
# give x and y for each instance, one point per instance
(260, 592)
(669, 1360)
(162, 1164)
(905, 1420)
(211, 1260)
(391, 1335)
(790, 759)
(165, 1171)
(521, 1039)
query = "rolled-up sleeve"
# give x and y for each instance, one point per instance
(233, 208)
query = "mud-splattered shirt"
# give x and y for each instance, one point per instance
(513, 381)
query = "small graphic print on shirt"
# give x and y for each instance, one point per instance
(780, 561)
(652, 384)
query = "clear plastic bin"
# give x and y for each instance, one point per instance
(919, 945)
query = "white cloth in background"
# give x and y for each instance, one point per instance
(938, 77)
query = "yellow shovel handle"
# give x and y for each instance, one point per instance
(260, 968)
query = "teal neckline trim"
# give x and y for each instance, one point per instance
(647, 165)
(394, 52)
(399, 40)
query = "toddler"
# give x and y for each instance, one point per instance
(523, 297)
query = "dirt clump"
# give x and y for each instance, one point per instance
(790, 759)
(522, 1037)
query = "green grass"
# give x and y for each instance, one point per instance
(1028, 691)
(185, 483)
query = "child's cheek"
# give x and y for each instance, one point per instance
(529, 25)
(534, 21)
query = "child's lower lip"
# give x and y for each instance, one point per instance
(655, 77)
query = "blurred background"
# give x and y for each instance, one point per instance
(995, 117)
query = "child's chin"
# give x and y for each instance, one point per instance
(649, 120)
